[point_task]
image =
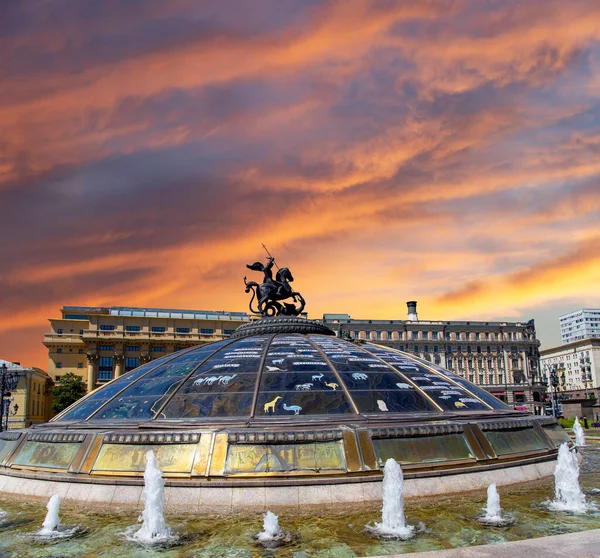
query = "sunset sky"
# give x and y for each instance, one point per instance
(445, 151)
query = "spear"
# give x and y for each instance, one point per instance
(269, 254)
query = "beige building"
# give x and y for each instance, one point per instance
(501, 357)
(577, 365)
(31, 402)
(100, 344)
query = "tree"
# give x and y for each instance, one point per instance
(70, 389)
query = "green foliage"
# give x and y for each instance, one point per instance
(70, 389)
(567, 422)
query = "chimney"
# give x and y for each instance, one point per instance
(412, 311)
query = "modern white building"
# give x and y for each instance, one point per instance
(577, 365)
(581, 324)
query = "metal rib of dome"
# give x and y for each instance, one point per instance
(281, 375)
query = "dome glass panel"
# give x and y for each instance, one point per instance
(281, 375)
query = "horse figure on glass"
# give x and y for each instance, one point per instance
(271, 292)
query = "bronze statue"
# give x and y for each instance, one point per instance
(272, 291)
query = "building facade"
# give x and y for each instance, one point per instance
(31, 402)
(577, 365)
(501, 357)
(581, 324)
(99, 344)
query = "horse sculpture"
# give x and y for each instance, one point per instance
(272, 292)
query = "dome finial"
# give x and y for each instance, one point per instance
(271, 292)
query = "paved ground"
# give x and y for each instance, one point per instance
(574, 545)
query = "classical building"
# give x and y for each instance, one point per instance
(501, 357)
(581, 324)
(577, 365)
(100, 344)
(30, 403)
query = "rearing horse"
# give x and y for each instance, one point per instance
(271, 292)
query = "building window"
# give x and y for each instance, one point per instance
(106, 347)
(59, 365)
(414, 334)
(416, 349)
(436, 349)
(230, 331)
(107, 328)
(207, 331)
(105, 368)
(481, 378)
(183, 330)
(449, 349)
(448, 336)
(469, 349)
(80, 365)
(81, 332)
(133, 328)
(57, 378)
(479, 349)
(158, 330)
(434, 335)
(59, 351)
(59, 331)
(132, 348)
(401, 347)
(131, 363)
(157, 349)
(425, 348)
(81, 351)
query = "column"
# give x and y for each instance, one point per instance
(118, 360)
(92, 375)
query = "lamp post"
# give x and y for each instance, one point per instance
(8, 382)
(554, 383)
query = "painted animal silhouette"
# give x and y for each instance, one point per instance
(224, 380)
(273, 368)
(270, 406)
(294, 408)
(382, 406)
(317, 377)
(208, 380)
(359, 376)
(403, 386)
(332, 385)
(303, 387)
(459, 404)
(278, 361)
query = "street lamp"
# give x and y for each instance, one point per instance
(554, 383)
(8, 382)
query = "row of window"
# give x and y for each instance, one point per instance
(133, 329)
(450, 336)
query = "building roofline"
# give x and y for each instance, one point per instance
(594, 341)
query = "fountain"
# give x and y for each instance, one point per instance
(52, 520)
(493, 512)
(271, 530)
(579, 435)
(568, 494)
(393, 524)
(154, 528)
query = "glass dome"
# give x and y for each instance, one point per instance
(281, 375)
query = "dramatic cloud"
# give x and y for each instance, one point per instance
(442, 151)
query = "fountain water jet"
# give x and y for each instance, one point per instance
(568, 495)
(271, 530)
(493, 512)
(579, 435)
(52, 520)
(154, 528)
(393, 523)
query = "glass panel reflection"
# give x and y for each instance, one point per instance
(426, 449)
(514, 441)
(248, 458)
(389, 401)
(557, 434)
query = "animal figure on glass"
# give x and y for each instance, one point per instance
(294, 408)
(382, 406)
(304, 387)
(278, 361)
(459, 404)
(270, 406)
(402, 385)
(273, 368)
(224, 380)
(317, 377)
(271, 292)
(206, 380)
(332, 385)
(359, 376)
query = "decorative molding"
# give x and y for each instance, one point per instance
(545, 421)
(152, 438)
(281, 324)
(283, 437)
(92, 357)
(505, 424)
(8, 435)
(416, 431)
(56, 437)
